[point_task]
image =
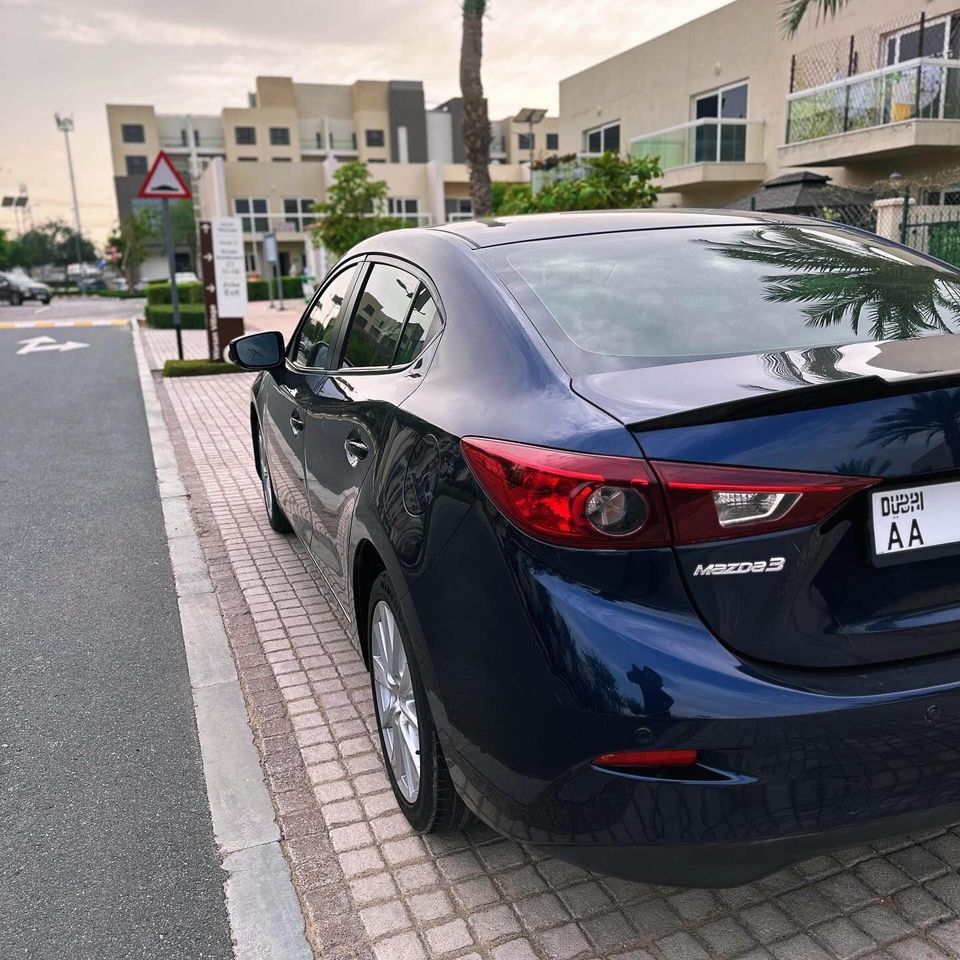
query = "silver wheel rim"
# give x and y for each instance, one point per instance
(265, 475)
(395, 701)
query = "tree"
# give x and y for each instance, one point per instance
(795, 10)
(53, 242)
(6, 251)
(132, 239)
(353, 210)
(183, 223)
(610, 183)
(476, 119)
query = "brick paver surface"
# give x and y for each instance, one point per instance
(370, 887)
(161, 345)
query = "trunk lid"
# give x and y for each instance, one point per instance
(887, 409)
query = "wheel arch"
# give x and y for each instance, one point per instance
(367, 566)
(254, 427)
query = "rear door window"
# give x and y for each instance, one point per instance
(378, 319)
(422, 326)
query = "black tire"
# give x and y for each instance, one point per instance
(16, 299)
(437, 807)
(275, 515)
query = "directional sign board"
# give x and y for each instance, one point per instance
(223, 268)
(164, 182)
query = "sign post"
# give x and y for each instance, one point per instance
(223, 267)
(164, 183)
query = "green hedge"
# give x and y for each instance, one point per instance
(159, 293)
(198, 368)
(260, 289)
(161, 316)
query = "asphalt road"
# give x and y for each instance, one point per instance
(71, 308)
(106, 844)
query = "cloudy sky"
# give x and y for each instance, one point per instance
(190, 56)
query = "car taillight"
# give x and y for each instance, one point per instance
(625, 503)
(716, 503)
(571, 499)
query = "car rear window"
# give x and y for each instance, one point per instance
(614, 301)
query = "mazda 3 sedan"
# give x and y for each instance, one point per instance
(647, 526)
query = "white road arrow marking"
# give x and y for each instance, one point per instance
(38, 344)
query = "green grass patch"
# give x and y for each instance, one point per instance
(198, 368)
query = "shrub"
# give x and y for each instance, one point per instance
(190, 293)
(198, 368)
(260, 289)
(160, 316)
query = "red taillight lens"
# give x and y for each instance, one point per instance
(716, 503)
(627, 759)
(571, 499)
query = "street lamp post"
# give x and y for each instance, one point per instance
(65, 125)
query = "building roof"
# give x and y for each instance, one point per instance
(800, 192)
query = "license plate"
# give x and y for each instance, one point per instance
(913, 522)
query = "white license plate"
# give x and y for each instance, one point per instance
(910, 519)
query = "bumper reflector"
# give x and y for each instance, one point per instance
(647, 758)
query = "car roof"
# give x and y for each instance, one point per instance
(494, 231)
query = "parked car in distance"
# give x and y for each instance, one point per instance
(10, 292)
(645, 524)
(27, 288)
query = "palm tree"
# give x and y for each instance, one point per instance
(841, 282)
(794, 11)
(476, 120)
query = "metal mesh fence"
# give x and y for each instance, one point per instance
(849, 55)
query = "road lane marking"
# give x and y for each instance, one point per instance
(37, 344)
(48, 324)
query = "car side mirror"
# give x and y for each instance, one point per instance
(257, 351)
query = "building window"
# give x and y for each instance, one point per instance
(943, 198)
(136, 166)
(719, 141)
(247, 159)
(407, 208)
(279, 136)
(553, 141)
(457, 208)
(253, 211)
(282, 159)
(605, 139)
(525, 141)
(298, 212)
(132, 133)
(245, 135)
(375, 138)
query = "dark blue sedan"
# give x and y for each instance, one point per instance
(647, 526)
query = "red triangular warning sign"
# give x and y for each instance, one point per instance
(164, 181)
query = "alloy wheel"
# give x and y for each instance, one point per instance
(396, 703)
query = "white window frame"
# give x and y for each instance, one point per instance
(718, 92)
(601, 130)
(251, 215)
(898, 35)
(399, 207)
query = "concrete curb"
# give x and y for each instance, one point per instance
(265, 918)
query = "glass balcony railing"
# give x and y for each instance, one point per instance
(708, 140)
(922, 89)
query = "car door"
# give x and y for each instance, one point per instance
(394, 316)
(289, 391)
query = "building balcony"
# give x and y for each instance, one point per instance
(906, 108)
(706, 152)
(327, 135)
(181, 144)
(498, 148)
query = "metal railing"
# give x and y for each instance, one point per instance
(708, 140)
(498, 147)
(172, 142)
(927, 88)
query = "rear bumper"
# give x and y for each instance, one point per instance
(732, 863)
(535, 666)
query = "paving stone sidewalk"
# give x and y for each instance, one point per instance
(370, 888)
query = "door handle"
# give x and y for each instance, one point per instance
(355, 450)
(296, 423)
